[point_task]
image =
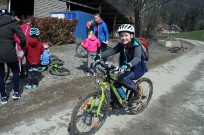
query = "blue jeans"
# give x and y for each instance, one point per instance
(15, 70)
(126, 78)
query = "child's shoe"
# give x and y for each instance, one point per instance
(29, 87)
(35, 87)
(94, 74)
(16, 95)
(88, 74)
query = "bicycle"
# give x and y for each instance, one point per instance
(56, 68)
(82, 53)
(176, 49)
(91, 111)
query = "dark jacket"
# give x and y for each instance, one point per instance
(131, 56)
(33, 50)
(8, 27)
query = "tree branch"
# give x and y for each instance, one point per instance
(155, 4)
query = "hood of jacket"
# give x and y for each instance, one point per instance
(33, 42)
(6, 19)
(93, 38)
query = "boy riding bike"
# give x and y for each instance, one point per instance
(130, 59)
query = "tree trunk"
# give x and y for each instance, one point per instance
(137, 23)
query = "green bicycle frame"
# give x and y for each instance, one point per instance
(103, 86)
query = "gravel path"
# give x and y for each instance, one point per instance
(55, 90)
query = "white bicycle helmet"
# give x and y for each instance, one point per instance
(126, 28)
(45, 45)
(34, 31)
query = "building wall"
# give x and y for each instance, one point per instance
(42, 8)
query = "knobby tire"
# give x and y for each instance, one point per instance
(148, 89)
(82, 103)
(80, 51)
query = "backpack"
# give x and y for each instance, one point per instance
(143, 42)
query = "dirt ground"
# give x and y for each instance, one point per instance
(56, 90)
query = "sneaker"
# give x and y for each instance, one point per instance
(139, 90)
(135, 99)
(94, 74)
(35, 87)
(105, 62)
(88, 74)
(16, 95)
(29, 87)
(112, 105)
(4, 100)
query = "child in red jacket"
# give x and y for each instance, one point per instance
(34, 48)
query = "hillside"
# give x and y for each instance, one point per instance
(187, 14)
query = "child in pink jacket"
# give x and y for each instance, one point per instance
(91, 44)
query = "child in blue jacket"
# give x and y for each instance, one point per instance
(45, 57)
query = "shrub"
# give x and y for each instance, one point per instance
(56, 31)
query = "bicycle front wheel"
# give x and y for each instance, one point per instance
(144, 96)
(80, 51)
(84, 119)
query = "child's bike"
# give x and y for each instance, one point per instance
(56, 67)
(82, 53)
(91, 111)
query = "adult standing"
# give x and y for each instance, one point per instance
(8, 27)
(22, 61)
(101, 32)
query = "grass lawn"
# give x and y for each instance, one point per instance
(195, 35)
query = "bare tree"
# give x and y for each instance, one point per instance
(140, 8)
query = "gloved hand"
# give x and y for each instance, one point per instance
(125, 67)
(96, 57)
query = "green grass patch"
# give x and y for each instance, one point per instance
(194, 35)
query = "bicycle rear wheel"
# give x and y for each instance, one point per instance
(84, 119)
(145, 96)
(7, 72)
(80, 51)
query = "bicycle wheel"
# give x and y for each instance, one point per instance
(84, 120)
(80, 51)
(144, 96)
(62, 72)
(174, 49)
(7, 72)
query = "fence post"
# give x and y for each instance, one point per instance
(182, 45)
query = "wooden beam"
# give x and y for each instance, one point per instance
(79, 4)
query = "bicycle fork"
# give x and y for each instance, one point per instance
(101, 86)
